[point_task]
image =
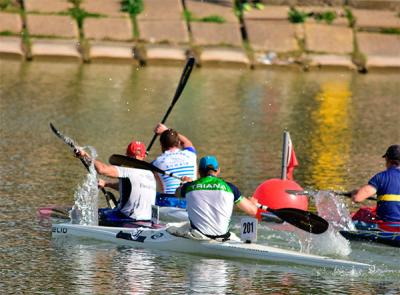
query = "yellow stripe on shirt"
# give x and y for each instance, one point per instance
(389, 198)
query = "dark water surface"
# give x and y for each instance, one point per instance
(340, 124)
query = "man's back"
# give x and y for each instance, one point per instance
(387, 184)
(180, 163)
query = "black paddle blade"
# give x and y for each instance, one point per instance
(66, 139)
(182, 83)
(304, 220)
(121, 160)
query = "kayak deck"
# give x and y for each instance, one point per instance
(162, 240)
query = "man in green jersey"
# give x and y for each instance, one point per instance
(210, 200)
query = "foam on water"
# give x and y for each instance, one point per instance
(332, 208)
(85, 208)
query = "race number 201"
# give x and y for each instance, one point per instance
(248, 229)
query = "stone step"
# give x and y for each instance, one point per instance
(56, 49)
(11, 47)
(47, 6)
(10, 23)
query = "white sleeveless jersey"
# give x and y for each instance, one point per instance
(210, 202)
(137, 189)
(180, 163)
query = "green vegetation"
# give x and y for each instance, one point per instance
(6, 33)
(79, 14)
(10, 6)
(327, 16)
(133, 7)
(350, 17)
(189, 17)
(393, 31)
(297, 16)
(4, 4)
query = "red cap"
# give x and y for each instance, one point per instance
(136, 148)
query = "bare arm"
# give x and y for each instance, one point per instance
(248, 207)
(184, 141)
(363, 193)
(101, 168)
(114, 185)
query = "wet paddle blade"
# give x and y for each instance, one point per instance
(70, 142)
(182, 83)
(304, 220)
(121, 160)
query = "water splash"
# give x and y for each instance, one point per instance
(333, 209)
(85, 209)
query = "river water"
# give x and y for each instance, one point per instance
(340, 124)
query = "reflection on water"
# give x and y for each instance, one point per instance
(331, 121)
(340, 124)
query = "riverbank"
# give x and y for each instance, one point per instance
(304, 37)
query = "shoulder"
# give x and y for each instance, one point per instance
(190, 149)
(236, 192)
(232, 186)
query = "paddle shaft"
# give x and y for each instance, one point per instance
(182, 82)
(121, 160)
(109, 196)
(312, 193)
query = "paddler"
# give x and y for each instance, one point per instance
(386, 185)
(137, 187)
(179, 157)
(210, 201)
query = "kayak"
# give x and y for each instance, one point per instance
(387, 238)
(369, 228)
(161, 239)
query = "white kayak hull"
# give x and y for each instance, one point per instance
(161, 239)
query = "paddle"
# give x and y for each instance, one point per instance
(312, 193)
(121, 160)
(108, 195)
(182, 82)
(304, 220)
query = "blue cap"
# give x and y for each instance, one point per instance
(208, 163)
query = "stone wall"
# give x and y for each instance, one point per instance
(169, 30)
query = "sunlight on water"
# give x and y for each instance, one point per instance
(85, 209)
(331, 120)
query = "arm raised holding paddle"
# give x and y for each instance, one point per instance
(179, 157)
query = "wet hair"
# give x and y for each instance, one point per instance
(169, 138)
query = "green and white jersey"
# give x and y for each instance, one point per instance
(209, 202)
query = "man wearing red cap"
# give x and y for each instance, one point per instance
(137, 187)
(386, 185)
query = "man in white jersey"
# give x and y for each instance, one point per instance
(137, 187)
(178, 157)
(210, 201)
